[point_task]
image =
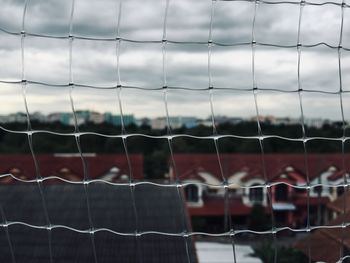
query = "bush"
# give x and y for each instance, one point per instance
(258, 219)
(266, 252)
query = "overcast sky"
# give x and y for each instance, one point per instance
(94, 62)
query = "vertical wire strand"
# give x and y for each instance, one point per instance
(210, 45)
(77, 134)
(343, 126)
(179, 189)
(132, 185)
(38, 176)
(302, 122)
(164, 66)
(7, 233)
(260, 134)
(228, 226)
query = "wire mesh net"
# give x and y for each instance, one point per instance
(161, 59)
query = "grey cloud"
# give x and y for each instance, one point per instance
(94, 62)
(99, 100)
(93, 18)
(322, 106)
(184, 16)
(321, 25)
(11, 13)
(277, 24)
(232, 22)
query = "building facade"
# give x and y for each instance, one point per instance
(280, 185)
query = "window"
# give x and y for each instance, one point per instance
(191, 193)
(256, 194)
(318, 189)
(281, 193)
(340, 190)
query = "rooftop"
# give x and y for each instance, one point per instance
(111, 207)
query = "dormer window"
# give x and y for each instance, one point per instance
(114, 169)
(64, 171)
(191, 193)
(289, 169)
(67, 174)
(124, 177)
(112, 174)
(15, 171)
(332, 169)
(256, 194)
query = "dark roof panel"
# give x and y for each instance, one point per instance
(111, 207)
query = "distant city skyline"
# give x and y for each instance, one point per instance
(158, 122)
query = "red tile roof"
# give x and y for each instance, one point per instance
(275, 164)
(321, 246)
(337, 175)
(329, 238)
(22, 165)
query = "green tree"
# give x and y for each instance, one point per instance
(258, 219)
(266, 252)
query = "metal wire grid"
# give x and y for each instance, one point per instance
(230, 231)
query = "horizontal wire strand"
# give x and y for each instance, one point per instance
(169, 41)
(174, 234)
(160, 88)
(179, 135)
(183, 183)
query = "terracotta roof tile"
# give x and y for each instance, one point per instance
(275, 164)
(97, 165)
(329, 238)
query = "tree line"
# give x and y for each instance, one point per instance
(156, 151)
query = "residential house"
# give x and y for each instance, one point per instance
(283, 177)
